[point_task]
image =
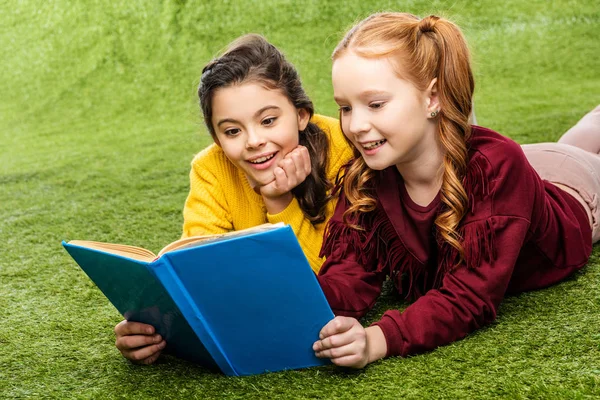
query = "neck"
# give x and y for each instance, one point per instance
(423, 173)
(424, 168)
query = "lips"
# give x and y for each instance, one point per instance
(261, 159)
(373, 145)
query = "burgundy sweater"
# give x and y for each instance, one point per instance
(520, 233)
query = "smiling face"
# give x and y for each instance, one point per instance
(256, 127)
(386, 118)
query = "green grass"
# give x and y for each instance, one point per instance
(98, 124)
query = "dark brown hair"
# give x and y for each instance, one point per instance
(251, 58)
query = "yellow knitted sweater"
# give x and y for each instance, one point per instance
(221, 199)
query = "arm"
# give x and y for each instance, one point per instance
(469, 295)
(351, 291)
(205, 211)
(351, 285)
(467, 300)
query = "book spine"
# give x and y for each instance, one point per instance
(171, 282)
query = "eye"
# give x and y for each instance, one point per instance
(345, 109)
(232, 132)
(376, 105)
(269, 121)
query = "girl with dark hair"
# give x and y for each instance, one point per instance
(273, 161)
(456, 215)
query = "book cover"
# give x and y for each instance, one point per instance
(247, 304)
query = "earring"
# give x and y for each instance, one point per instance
(433, 113)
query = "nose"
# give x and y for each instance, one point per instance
(357, 122)
(254, 139)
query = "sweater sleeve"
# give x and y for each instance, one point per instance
(503, 189)
(350, 277)
(349, 288)
(467, 300)
(205, 211)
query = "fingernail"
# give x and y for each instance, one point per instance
(157, 338)
(162, 345)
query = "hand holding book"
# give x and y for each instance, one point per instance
(139, 342)
(216, 301)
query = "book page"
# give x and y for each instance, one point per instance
(193, 241)
(136, 253)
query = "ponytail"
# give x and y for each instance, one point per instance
(422, 50)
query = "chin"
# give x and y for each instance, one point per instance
(262, 180)
(377, 166)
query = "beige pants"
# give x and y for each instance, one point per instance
(573, 164)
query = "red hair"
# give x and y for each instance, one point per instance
(421, 50)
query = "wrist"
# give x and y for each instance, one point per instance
(376, 343)
(275, 205)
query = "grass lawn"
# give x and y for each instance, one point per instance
(98, 124)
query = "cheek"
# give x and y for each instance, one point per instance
(232, 150)
(291, 137)
(345, 123)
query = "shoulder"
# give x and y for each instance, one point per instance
(212, 161)
(498, 175)
(498, 154)
(328, 125)
(340, 151)
(331, 127)
(493, 146)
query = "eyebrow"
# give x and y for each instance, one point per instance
(256, 114)
(366, 94)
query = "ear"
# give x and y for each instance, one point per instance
(432, 98)
(303, 118)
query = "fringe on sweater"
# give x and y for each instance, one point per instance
(378, 243)
(478, 237)
(377, 248)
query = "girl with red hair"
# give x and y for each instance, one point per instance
(456, 215)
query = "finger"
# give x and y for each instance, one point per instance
(338, 352)
(281, 179)
(289, 167)
(352, 361)
(298, 160)
(151, 359)
(125, 328)
(145, 353)
(337, 326)
(135, 341)
(342, 339)
(306, 160)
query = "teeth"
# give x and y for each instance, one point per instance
(262, 159)
(372, 145)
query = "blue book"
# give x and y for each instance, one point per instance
(244, 303)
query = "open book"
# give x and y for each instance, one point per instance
(244, 302)
(141, 254)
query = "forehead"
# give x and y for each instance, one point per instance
(247, 97)
(351, 64)
(354, 76)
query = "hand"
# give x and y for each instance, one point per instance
(138, 342)
(291, 172)
(348, 344)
